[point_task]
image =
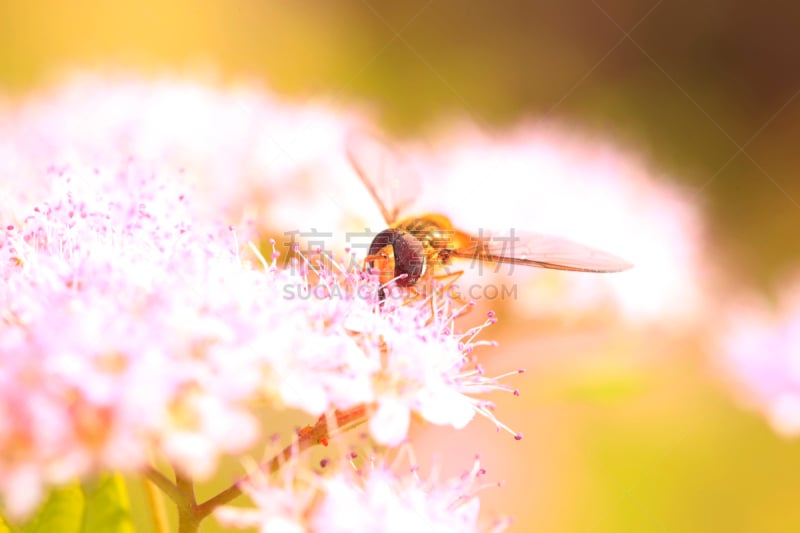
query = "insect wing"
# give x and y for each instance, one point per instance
(531, 249)
(390, 180)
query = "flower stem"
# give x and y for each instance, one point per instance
(162, 482)
(190, 513)
(181, 492)
(188, 521)
(306, 438)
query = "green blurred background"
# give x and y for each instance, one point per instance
(707, 91)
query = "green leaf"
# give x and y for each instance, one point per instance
(62, 512)
(98, 506)
(107, 508)
(4, 527)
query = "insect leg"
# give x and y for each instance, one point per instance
(447, 282)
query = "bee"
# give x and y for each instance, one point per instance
(414, 248)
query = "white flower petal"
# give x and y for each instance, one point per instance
(389, 424)
(446, 406)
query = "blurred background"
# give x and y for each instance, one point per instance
(630, 424)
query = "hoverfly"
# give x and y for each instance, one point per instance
(413, 247)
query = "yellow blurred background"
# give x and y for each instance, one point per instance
(624, 431)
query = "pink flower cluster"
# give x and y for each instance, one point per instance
(251, 155)
(130, 326)
(125, 327)
(760, 353)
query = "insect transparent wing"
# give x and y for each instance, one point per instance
(544, 251)
(390, 180)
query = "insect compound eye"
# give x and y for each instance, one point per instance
(381, 241)
(409, 255)
(409, 259)
(378, 246)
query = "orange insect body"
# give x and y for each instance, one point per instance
(412, 247)
(423, 242)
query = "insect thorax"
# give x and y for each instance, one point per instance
(433, 232)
